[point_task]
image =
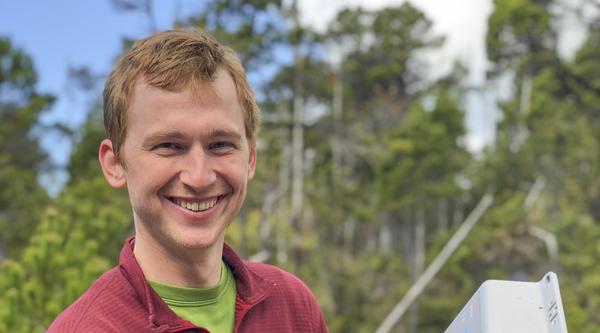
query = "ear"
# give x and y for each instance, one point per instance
(113, 170)
(252, 161)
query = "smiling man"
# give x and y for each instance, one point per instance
(181, 122)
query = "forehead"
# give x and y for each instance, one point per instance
(220, 85)
(153, 106)
(220, 90)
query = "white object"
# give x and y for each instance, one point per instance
(515, 307)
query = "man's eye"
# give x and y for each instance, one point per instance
(221, 146)
(168, 145)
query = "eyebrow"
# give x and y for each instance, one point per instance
(164, 135)
(170, 135)
(224, 133)
(161, 136)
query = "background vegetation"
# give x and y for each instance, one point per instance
(363, 171)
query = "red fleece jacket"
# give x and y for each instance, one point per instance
(268, 300)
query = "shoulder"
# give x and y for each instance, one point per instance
(290, 296)
(93, 309)
(283, 281)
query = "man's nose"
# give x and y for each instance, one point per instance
(197, 169)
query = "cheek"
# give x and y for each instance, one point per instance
(237, 173)
(148, 176)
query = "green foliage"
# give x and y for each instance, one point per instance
(548, 133)
(83, 163)
(387, 65)
(520, 34)
(250, 27)
(75, 242)
(423, 157)
(78, 237)
(21, 159)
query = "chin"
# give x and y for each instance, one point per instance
(199, 242)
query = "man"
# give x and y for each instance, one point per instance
(181, 122)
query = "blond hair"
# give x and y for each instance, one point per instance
(173, 60)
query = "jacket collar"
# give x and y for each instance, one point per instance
(252, 288)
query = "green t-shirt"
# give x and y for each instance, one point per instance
(212, 308)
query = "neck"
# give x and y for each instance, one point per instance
(185, 267)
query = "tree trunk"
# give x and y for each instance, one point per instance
(297, 148)
(348, 236)
(458, 214)
(442, 214)
(524, 105)
(336, 149)
(282, 239)
(385, 238)
(418, 265)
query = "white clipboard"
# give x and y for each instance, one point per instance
(513, 307)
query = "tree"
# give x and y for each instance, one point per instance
(251, 27)
(78, 238)
(21, 158)
(547, 136)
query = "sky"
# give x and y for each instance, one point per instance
(71, 33)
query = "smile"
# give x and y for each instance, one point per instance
(195, 206)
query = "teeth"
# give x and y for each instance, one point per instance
(196, 206)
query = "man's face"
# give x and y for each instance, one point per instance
(186, 162)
